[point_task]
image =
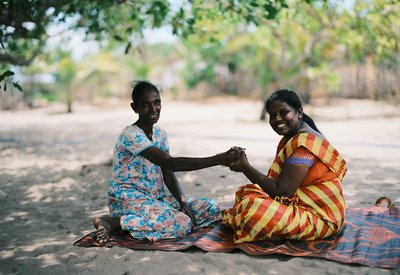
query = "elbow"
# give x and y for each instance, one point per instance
(273, 189)
(289, 193)
(173, 168)
(170, 164)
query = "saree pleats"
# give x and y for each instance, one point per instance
(316, 211)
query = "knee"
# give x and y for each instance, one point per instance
(182, 223)
(208, 208)
(213, 207)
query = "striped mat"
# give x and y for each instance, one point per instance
(370, 237)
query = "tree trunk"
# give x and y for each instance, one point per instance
(69, 98)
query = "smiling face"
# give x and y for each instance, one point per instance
(283, 118)
(148, 107)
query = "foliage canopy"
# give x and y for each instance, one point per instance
(24, 24)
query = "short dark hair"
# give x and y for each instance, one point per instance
(140, 87)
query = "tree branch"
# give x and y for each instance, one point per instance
(21, 61)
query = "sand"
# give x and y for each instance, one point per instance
(54, 169)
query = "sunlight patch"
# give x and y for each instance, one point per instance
(4, 254)
(14, 216)
(145, 259)
(49, 192)
(49, 260)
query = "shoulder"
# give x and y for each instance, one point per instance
(130, 130)
(133, 133)
(307, 140)
(316, 144)
(159, 131)
(307, 137)
(307, 129)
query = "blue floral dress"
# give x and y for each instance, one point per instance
(137, 194)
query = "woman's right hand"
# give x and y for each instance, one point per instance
(231, 156)
(185, 208)
(241, 164)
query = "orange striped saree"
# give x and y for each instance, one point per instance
(316, 211)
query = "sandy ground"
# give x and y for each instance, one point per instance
(54, 170)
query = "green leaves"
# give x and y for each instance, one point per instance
(3, 79)
(116, 20)
(6, 74)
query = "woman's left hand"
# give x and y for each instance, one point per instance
(185, 208)
(240, 164)
(230, 156)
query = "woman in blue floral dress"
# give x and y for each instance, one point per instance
(142, 167)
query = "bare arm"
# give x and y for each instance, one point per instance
(174, 187)
(289, 180)
(164, 160)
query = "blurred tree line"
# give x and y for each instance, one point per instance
(247, 48)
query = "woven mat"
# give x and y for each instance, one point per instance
(370, 237)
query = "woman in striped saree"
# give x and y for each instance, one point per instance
(301, 196)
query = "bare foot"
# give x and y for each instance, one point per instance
(383, 202)
(104, 225)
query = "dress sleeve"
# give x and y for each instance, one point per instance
(301, 157)
(134, 141)
(164, 141)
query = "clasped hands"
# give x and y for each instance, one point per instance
(237, 159)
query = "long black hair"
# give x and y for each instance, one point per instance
(140, 87)
(292, 99)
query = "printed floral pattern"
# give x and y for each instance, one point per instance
(137, 194)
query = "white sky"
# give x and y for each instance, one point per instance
(74, 40)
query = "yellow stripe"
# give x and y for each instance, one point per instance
(282, 157)
(341, 208)
(227, 215)
(329, 203)
(295, 222)
(289, 150)
(302, 139)
(339, 163)
(283, 222)
(276, 168)
(253, 209)
(306, 220)
(316, 147)
(240, 209)
(251, 233)
(333, 187)
(336, 165)
(265, 219)
(319, 226)
(304, 197)
(328, 156)
(328, 232)
(305, 231)
(237, 219)
(301, 220)
(309, 227)
(243, 204)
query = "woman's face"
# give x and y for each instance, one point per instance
(149, 107)
(283, 118)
